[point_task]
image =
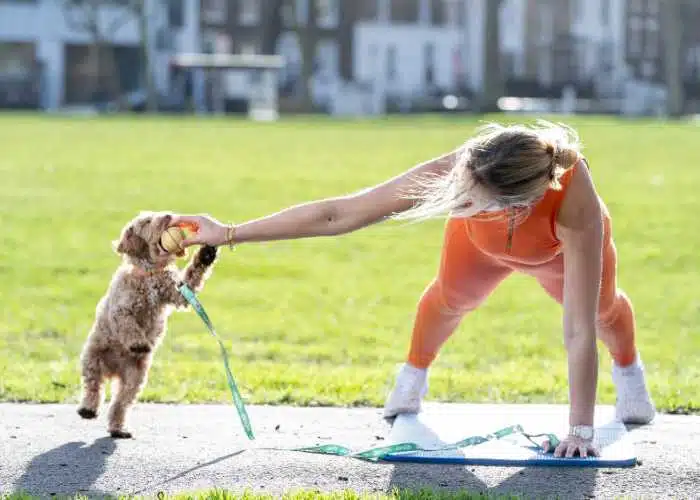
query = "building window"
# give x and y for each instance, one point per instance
(214, 11)
(327, 13)
(327, 60)
(405, 11)
(223, 44)
(176, 13)
(367, 10)
(635, 37)
(692, 65)
(249, 12)
(294, 12)
(209, 41)
(16, 59)
(451, 10)
(391, 63)
(248, 48)
(429, 63)
(578, 10)
(605, 13)
(691, 45)
(643, 37)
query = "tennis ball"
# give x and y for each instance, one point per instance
(171, 239)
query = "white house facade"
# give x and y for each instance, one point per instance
(42, 27)
(544, 43)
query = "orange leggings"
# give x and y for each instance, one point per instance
(467, 276)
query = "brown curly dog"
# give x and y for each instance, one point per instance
(131, 317)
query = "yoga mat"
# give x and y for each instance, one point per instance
(435, 427)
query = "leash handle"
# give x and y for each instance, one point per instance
(190, 297)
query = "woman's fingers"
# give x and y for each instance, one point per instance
(190, 221)
(195, 239)
(201, 229)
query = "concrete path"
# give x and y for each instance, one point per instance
(48, 449)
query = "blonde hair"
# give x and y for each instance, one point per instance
(509, 165)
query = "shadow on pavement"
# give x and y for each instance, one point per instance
(188, 471)
(529, 482)
(71, 468)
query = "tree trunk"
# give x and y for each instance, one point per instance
(672, 36)
(272, 26)
(149, 81)
(113, 74)
(96, 77)
(307, 37)
(493, 76)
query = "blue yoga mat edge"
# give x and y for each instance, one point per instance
(504, 462)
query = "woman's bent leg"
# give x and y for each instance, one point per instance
(465, 279)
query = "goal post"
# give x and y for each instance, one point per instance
(262, 96)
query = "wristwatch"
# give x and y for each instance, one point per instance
(582, 431)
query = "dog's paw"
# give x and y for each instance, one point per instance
(87, 413)
(140, 348)
(207, 255)
(120, 434)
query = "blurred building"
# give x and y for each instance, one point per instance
(358, 56)
(82, 55)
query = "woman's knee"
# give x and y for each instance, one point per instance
(450, 301)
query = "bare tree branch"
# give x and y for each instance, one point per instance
(80, 16)
(133, 9)
(84, 15)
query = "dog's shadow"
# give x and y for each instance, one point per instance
(69, 469)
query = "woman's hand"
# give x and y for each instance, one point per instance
(204, 230)
(572, 445)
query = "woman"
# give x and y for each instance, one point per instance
(518, 199)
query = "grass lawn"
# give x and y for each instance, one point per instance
(321, 321)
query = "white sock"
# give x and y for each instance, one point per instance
(634, 367)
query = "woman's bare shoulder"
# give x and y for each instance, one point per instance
(581, 207)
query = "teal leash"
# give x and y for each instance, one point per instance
(380, 452)
(190, 296)
(371, 454)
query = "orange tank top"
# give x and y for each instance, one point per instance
(533, 237)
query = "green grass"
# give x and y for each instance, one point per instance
(396, 494)
(322, 321)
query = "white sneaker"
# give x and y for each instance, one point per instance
(634, 404)
(410, 389)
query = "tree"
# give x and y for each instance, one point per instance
(276, 12)
(271, 26)
(672, 36)
(87, 16)
(493, 85)
(307, 39)
(140, 9)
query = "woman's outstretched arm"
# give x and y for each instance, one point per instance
(325, 217)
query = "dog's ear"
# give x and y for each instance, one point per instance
(131, 244)
(162, 220)
(120, 245)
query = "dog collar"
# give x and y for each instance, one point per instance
(147, 272)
